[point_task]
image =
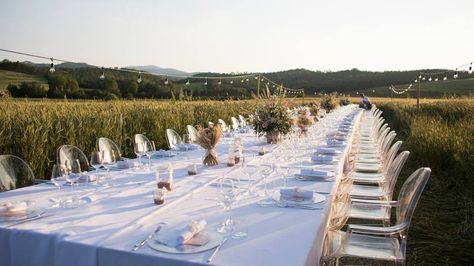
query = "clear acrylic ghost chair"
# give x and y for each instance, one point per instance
(173, 139)
(377, 153)
(370, 160)
(377, 176)
(380, 210)
(14, 173)
(235, 123)
(376, 242)
(223, 124)
(243, 123)
(142, 144)
(110, 150)
(381, 189)
(192, 133)
(71, 154)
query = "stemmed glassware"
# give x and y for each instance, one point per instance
(139, 151)
(96, 160)
(149, 153)
(226, 194)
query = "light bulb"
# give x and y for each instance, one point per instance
(436, 79)
(247, 79)
(470, 69)
(166, 81)
(102, 74)
(455, 74)
(416, 80)
(419, 76)
(205, 83)
(139, 80)
(430, 79)
(220, 82)
(424, 78)
(256, 77)
(187, 82)
(261, 79)
(51, 67)
(445, 77)
(231, 82)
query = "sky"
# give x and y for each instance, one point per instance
(243, 35)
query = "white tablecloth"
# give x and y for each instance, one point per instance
(104, 231)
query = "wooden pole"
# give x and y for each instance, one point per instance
(418, 98)
(258, 86)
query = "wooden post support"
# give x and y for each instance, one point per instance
(418, 98)
(258, 87)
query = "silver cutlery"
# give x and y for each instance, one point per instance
(36, 217)
(303, 207)
(144, 241)
(209, 260)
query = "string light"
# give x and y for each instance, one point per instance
(102, 74)
(455, 74)
(470, 69)
(424, 78)
(205, 83)
(436, 79)
(247, 79)
(419, 76)
(231, 82)
(242, 81)
(416, 80)
(187, 82)
(430, 79)
(139, 80)
(256, 78)
(220, 82)
(445, 77)
(51, 67)
(166, 80)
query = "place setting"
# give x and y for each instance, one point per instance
(13, 213)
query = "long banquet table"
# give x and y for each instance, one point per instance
(103, 231)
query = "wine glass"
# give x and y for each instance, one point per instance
(139, 151)
(55, 177)
(96, 160)
(226, 193)
(149, 153)
(265, 171)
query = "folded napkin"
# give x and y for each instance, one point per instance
(295, 194)
(126, 164)
(324, 150)
(314, 172)
(322, 158)
(87, 178)
(163, 153)
(185, 147)
(335, 142)
(177, 237)
(13, 207)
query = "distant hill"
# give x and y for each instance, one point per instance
(16, 78)
(159, 70)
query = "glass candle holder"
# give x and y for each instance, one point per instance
(261, 151)
(192, 169)
(159, 196)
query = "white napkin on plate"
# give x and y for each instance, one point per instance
(314, 172)
(324, 150)
(322, 158)
(85, 178)
(295, 194)
(177, 237)
(126, 164)
(13, 207)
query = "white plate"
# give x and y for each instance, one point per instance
(317, 198)
(29, 213)
(214, 240)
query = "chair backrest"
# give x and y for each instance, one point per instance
(71, 154)
(410, 194)
(14, 173)
(392, 152)
(382, 138)
(222, 123)
(142, 143)
(192, 133)
(173, 138)
(235, 123)
(387, 142)
(242, 121)
(394, 171)
(109, 149)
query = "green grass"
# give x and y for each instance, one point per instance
(11, 77)
(441, 137)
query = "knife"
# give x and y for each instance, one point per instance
(144, 241)
(216, 250)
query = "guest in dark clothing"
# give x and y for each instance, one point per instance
(365, 102)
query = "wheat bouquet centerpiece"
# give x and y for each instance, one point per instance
(272, 119)
(304, 121)
(208, 139)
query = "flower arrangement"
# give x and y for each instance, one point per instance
(208, 139)
(314, 109)
(344, 100)
(273, 119)
(329, 102)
